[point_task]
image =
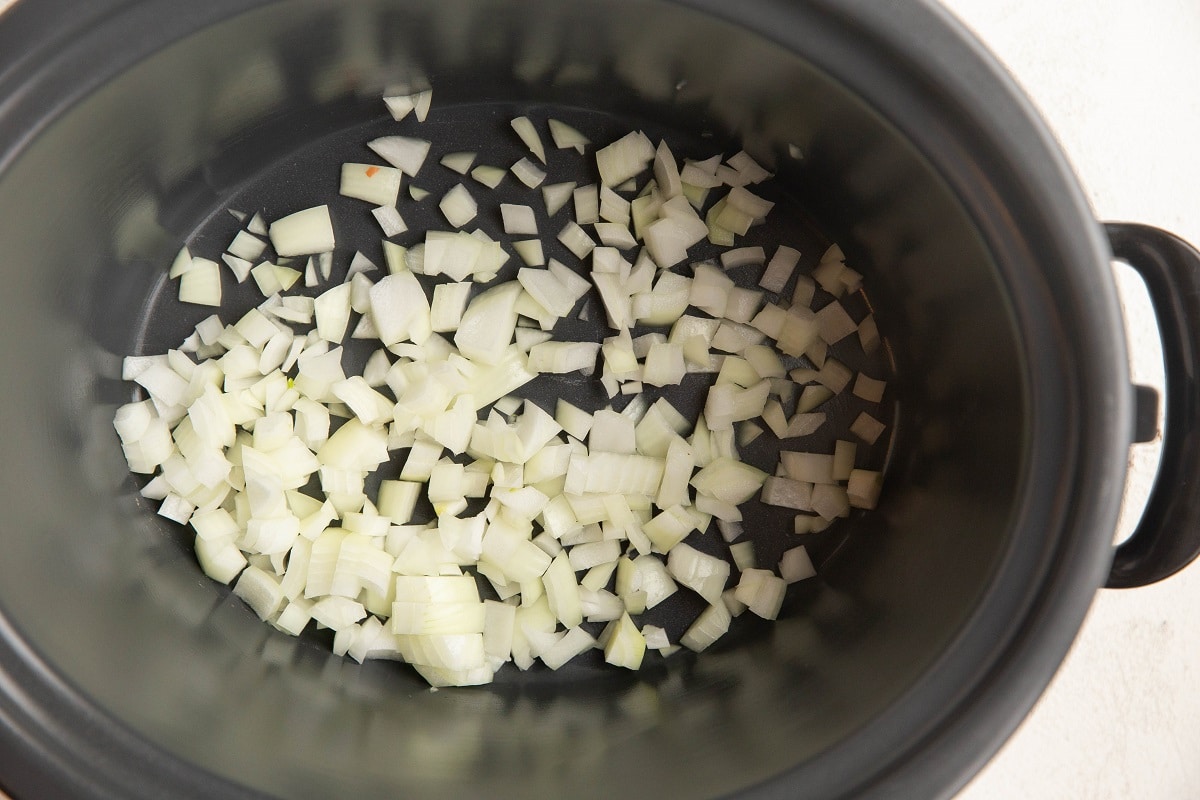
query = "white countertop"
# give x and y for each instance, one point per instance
(1119, 83)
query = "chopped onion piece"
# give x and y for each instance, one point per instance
(805, 292)
(337, 613)
(869, 389)
(677, 472)
(795, 565)
(762, 592)
(704, 574)
(266, 278)
(458, 162)
(332, 313)
(528, 174)
(529, 135)
(182, 263)
(779, 270)
(787, 493)
(669, 528)
(805, 424)
(625, 646)
(528, 338)
(402, 152)
(722, 237)
(834, 323)
(518, 219)
(748, 169)
(701, 173)
(666, 172)
(712, 624)
(246, 246)
(743, 555)
(593, 474)
(562, 357)
(201, 284)
(664, 365)
(808, 467)
(828, 275)
(573, 643)
(830, 501)
(379, 186)
(729, 480)
(576, 240)
(257, 225)
(742, 306)
(615, 235)
(564, 136)
(625, 158)
(587, 204)
(562, 591)
(867, 428)
(488, 324)
(742, 200)
(833, 254)
(220, 559)
(556, 195)
(573, 420)
(843, 460)
(449, 303)
(863, 488)
(458, 206)
(286, 277)
(530, 251)
(613, 207)
(400, 309)
(421, 103)
(400, 106)
(489, 176)
(389, 220)
(303, 233)
(742, 256)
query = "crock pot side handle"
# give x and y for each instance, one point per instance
(1167, 538)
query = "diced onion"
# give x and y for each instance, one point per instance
(528, 173)
(458, 162)
(257, 436)
(625, 158)
(379, 186)
(565, 136)
(303, 233)
(529, 135)
(587, 204)
(518, 219)
(201, 284)
(711, 625)
(795, 565)
(626, 646)
(389, 220)
(556, 195)
(458, 206)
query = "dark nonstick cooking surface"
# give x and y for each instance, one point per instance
(293, 163)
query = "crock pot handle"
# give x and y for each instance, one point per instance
(1167, 538)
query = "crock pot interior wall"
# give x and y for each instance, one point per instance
(93, 210)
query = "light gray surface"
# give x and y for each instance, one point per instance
(1117, 81)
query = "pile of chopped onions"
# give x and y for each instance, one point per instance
(256, 437)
